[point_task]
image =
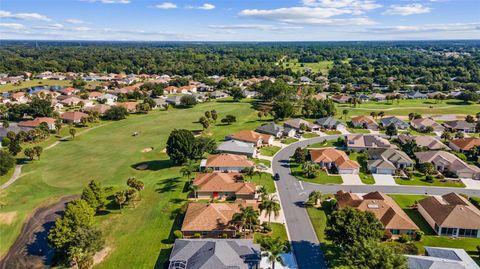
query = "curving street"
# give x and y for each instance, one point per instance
(293, 193)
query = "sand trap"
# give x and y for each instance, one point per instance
(8, 217)
(142, 166)
(164, 150)
(147, 149)
(100, 256)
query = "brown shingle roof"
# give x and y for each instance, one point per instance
(381, 205)
(363, 120)
(452, 210)
(250, 136)
(466, 143)
(209, 217)
(73, 116)
(329, 155)
(36, 122)
(224, 182)
(228, 160)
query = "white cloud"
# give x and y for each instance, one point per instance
(108, 1)
(307, 15)
(206, 6)
(357, 5)
(264, 27)
(12, 26)
(82, 29)
(426, 28)
(24, 16)
(74, 21)
(50, 26)
(407, 10)
(166, 5)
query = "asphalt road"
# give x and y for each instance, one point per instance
(293, 193)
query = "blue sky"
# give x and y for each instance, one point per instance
(239, 20)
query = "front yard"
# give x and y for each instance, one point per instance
(321, 178)
(419, 180)
(288, 140)
(269, 151)
(358, 130)
(263, 179)
(278, 230)
(309, 135)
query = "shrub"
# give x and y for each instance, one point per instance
(418, 235)
(197, 235)
(429, 178)
(267, 227)
(178, 234)
(224, 236)
(404, 238)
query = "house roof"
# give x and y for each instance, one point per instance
(295, 123)
(250, 136)
(94, 94)
(466, 143)
(214, 253)
(237, 146)
(100, 108)
(329, 155)
(393, 120)
(452, 210)
(228, 160)
(363, 120)
(452, 162)
(367, 141)
(381, 205)
(427, 141)
(459, 124)
(36, 122)
(223, 182)
(128, 105)
(425, 122)
(73, 116)
(442, 258)
(329, 121)
(393, 155)
(270, 128)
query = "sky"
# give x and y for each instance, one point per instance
(239, 20)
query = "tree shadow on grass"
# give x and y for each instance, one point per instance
(168, 185)
(154, 165)
(458, 103)
(177, 215)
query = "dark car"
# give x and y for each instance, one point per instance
(277, 176)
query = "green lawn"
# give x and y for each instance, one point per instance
(367, 178)
(7, 176)
(321, 178)
(309, 135)
(278, 230)
(419, 180)
(430, 239)
(264, 179)
(289, 140)
(39, 82)
(262, 162)
(358, 130)
(332, 132)
(269, 151)
(324, 144)
(318, 217)
(109, 153)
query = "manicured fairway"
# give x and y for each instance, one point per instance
(109, 153)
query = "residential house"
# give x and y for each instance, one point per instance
(460, 126)
(442, 258)
(218, 95)
(329, 123)
(364, 98)
(395, 221)
(364, 122)
(464, 144)
(160, 103)
(215, 253)
(305, 80)
(212, 220)
(422, 123)
(334, 160)
(398, 123)
(13, 127)
(73, 117)
(416, 95)
(378, 97)
(129, 106)
(227, 162)
(108, 99)
(219, 185)
(175, 100)
(298, 123)
(94, 95)
(425, 141)
(359, 142)
(20, 97)
(237, 147)
(37, 121)
(451, 215)
(446, 162)
(387, 161)
(69, 91)
(250, 94)
(99, 108)
(248, 136)
(341, 99)
(43, 94)
(69, 100)
(433, 95)
(276, 130)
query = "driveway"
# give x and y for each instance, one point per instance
(471, 183)
(350, 179)
(386, 180)
(343, 130)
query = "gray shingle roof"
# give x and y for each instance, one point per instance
(237, 146)
(394, 120)
(214, 254)
(270, 128)
(329, 122)
(442, 258)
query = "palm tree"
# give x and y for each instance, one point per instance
(194, 189)
(381, 114)
(188, 169)
(345, 112)
(270, 204)
(249, 172)
(247, 217)
(262, 190)
(315, 197)
(274, 248)
(72, 132)
(373, 114)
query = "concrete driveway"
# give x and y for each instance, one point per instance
(386, 180)
(471, 183)
(350, 179)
